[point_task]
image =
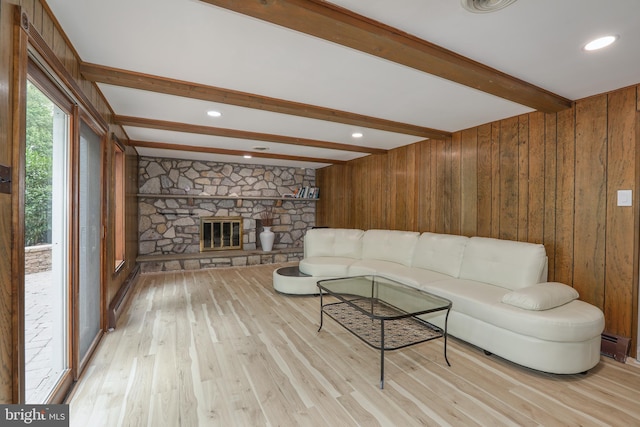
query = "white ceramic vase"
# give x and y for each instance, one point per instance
(266, 239)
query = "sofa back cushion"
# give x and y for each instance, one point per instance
(389, 245)
(504, 263)
(440, 252)
(340, 242)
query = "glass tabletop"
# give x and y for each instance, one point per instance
(383, 298)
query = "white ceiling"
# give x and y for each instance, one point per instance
(538, 41)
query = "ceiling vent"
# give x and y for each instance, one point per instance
(484, 6)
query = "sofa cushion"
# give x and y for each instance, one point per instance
(572, 322)
(389, 245)
(368, 267)
(339, 242)
(541, 296)
(325, 266)
(392, 270)
(440, 252)
(509, 264)
(412, 276)
(373, 267)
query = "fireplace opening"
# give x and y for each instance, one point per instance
(220, 233)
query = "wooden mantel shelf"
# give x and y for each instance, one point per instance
(213, 197)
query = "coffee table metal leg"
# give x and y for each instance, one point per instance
(446, 320)
(321, 312)
(381, 354)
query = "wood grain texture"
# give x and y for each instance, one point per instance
(485, 180)
(440, 204)
(535, 210)
(509, 174)
(228, 152)
(44, 31)
(621, 175)
(132, 79)
(18, 165)
(446, 203)
(496, 176)
(542, 178)
(6, 142)
(469, 183)
(433, 179)
(242, 134)
(402, 181)
(523, 178)
(424, 188)
(550, 174)
(369, 191)
(52, 35)
(220, 347)
(591, 188)
(565, 204)
(338, 25)
(456, 183)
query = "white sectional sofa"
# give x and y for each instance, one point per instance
(502, 302)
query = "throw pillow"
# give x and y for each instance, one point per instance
(541, 296)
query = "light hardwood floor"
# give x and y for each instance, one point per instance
(222, 348)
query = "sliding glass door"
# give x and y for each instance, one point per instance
(47, 312)
(63, 296)
(90, 249)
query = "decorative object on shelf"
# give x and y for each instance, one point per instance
(267, 236)
(306, 193)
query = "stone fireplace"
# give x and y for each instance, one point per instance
(220, 233)
(175, 194)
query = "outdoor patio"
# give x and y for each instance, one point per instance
(39, 346)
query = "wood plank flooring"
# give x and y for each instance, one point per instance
(222, 348)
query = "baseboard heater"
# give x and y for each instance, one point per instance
(615, 346)
(121, 297)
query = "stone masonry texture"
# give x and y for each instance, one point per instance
(172, 225)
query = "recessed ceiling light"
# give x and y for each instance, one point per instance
(214, 113)
(247, 156)
(260, 148)
(357, 135)
(600, 43)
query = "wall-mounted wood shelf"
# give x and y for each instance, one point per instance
(197, 196)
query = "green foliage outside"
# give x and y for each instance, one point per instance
(39, 154)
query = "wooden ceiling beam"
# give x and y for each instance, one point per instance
(212, 150)
(132, 79)
(241, 134)
(330, 22)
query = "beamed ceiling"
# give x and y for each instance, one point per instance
(294, 79)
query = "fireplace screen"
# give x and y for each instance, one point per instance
(220, 233)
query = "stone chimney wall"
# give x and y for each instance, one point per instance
(170, 225)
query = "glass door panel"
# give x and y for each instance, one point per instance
(46, 245)
(90, 215)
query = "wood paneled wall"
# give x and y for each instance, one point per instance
(6, 154)
(46, 26)
(545, 178)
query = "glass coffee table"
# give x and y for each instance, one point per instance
(382, 312)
